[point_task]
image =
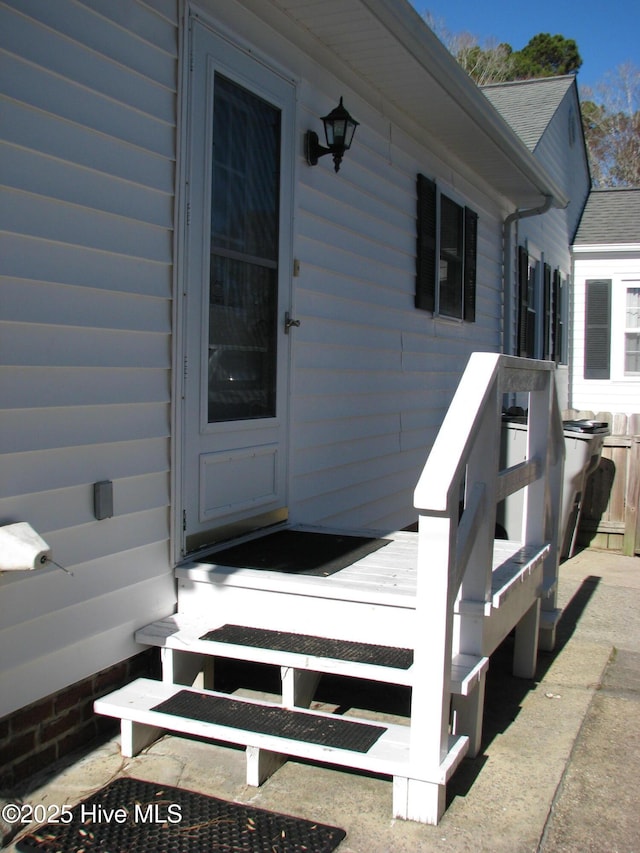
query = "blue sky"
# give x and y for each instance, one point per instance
(607, 33)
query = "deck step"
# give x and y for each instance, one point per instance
(312, 646)
(466, 673)
(508, 575)
(387, 664)
(151, 707)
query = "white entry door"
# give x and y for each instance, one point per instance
(237, 291)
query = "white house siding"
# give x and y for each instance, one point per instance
(372, 376)
(619, 393)
(88, 115)
(561, 150)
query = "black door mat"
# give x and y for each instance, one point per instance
(307, 644)
(131, 816)
(298, 552)
(272, 720)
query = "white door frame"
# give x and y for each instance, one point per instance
(183, 213)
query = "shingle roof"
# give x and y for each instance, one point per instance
(529, 105)
(610, 217)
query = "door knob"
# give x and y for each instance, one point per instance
(289, 322)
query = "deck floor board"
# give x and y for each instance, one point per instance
(387, 576)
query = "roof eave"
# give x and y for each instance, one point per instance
(414, 35)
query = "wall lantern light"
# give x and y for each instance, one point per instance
(339, 128)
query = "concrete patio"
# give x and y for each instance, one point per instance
(557, 772)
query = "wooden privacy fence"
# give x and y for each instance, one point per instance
(610, 509)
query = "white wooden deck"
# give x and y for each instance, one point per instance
(384, 581)
(387, 576)
(449, 593)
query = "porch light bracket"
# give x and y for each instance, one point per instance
(339, 128)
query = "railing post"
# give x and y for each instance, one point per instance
(432, 654)
(535, 497)
(542, 500)
(481, 469)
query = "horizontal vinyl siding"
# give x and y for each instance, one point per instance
(373, 376)
(87, 170)
(561, 151)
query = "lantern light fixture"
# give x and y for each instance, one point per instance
(339, 128)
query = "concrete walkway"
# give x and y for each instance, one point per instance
(559, 768)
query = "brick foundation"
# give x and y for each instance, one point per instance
(32, 738)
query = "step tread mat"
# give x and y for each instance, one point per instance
(307, 644)
(165, 819)
(333, 732)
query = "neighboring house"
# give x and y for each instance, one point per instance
(605, 373)
(545, 113)
(144, 336)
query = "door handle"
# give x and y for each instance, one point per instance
(289, 323)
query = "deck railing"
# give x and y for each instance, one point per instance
(456, 498)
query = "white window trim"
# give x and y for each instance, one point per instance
(619, 287)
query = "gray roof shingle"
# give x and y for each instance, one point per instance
(529, 105)
(610, 217)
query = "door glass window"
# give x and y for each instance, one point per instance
(243, 284)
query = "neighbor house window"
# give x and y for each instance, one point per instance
(446, 256)
(632, 333)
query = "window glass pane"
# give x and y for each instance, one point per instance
(242, 341)
(632, 352)
(243, 273)
(246, 165)
(451, 257)
(633, 308)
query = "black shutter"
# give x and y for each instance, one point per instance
(558, 321)
(426, 245)
(523, 296)
(597, 329)
(470, 263)
(547, 325)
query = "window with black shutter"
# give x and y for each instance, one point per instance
(446, 254)
(597, 329)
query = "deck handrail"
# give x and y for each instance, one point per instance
(456, 498)
(451, 447)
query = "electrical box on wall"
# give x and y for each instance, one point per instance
(103, 499)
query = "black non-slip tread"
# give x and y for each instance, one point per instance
(333, 732)
(308, 644)
(206, 824)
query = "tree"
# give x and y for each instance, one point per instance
(491, 64)
(612, 128)
(546, 56)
